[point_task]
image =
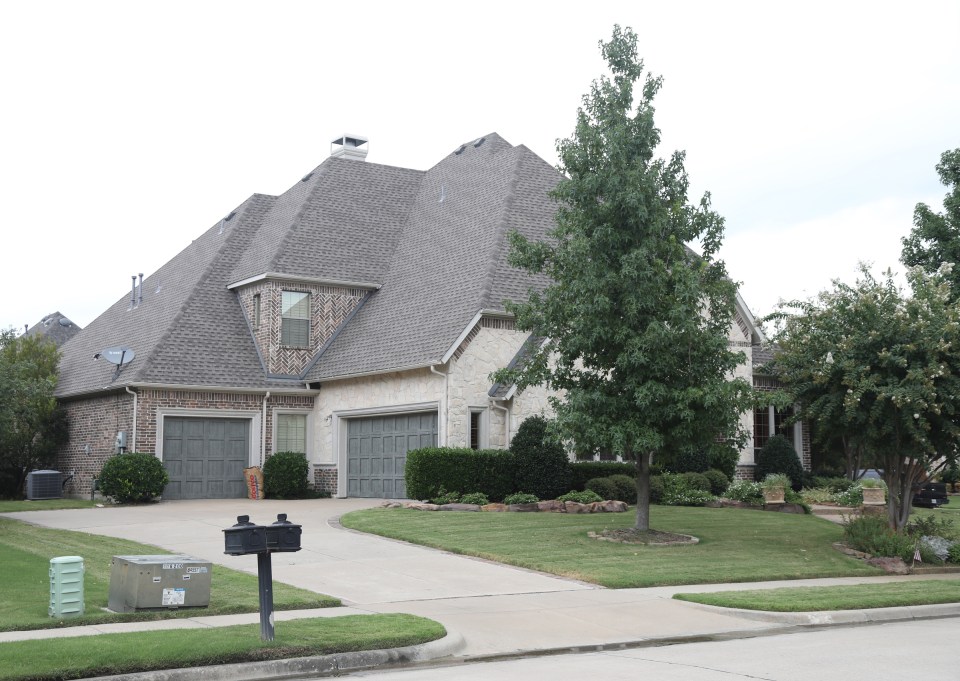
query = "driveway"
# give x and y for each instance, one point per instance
(355, 567)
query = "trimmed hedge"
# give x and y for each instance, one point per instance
(459, 469)
(582, 471)
(133, 478)
(286, 476)
(779, 456)
(541, 464)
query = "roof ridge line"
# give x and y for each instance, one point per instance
(500, 241)
(244, 209)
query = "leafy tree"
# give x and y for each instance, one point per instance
(636, 323)
(32, 427)
(881, 368)
(935, 237)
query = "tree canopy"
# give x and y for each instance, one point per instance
(880, 367)
(636, 324)
(935, 237)
(32, 427)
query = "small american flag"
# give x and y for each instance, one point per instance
(916, 556)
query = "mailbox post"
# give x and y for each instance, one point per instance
(245, 538)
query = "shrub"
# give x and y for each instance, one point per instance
(834, 484)
(697, 481)
(687, 460)
(626, 487)
(953, 553)
(678, 491)
(585, 497)
(853, 496)
(656, 489)
(718, 481)
(581, 471)
(745, 491)
(285, 476)
(489, 471)
(872, 535)
(133, 478)
(478, 498)
(605, 488)
(937, 547)
(817, 495)
(724, 458)
(444, 497)
(778, 456)
(521, 498)
(931, 526)
(541, 464)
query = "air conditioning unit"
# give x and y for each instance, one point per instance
(44, 485)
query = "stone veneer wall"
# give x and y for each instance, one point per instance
(329, 307)
(95, 421)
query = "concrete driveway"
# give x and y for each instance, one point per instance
(355, 567)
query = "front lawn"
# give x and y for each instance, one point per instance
(735, 545)
(26, 551)
(853, 597)
(17, 505)
(78, 657)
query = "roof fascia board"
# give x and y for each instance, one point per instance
(223, 389)
(500, 314)
(748, 316)
(377, 372)
(306, 280)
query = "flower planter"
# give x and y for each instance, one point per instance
(773, 495)
(874, 496)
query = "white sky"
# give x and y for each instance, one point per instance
(128, 128)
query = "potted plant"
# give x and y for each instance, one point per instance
(874, 492)
(774, 486)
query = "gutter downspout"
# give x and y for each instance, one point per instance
(263, 430)
(445, 409)
(133, 444)
(506, 420)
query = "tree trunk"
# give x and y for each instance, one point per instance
(643, 492)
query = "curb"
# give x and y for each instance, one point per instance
(298, 667)
(828, 617)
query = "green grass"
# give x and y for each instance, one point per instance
(854, 597)
(735, 545)
(26, 551)
(66, 658)
(17, 505)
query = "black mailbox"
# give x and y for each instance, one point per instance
(245, 537)
(283, 535)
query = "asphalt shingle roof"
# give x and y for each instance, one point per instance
(435, 242)
(55, 327)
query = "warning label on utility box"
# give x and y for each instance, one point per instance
(174, 596)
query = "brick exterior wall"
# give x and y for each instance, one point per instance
(769, 384)
(95, 422)
(325, 479)
(329, 307)
(93, 426)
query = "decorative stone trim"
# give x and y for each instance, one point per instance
(555, 507)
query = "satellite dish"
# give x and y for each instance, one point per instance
(118, 355)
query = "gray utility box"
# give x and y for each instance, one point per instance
(158, 582)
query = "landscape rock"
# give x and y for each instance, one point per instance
(420, 506)
(461, 507)
(613, 506)
(551, 506)
(391, 504)
(524, 508)
(494, 508)
(574, 507)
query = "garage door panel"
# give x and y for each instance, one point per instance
(376, 451)
(205, 457)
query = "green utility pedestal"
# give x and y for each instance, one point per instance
(66, 586)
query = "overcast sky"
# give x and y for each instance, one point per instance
(129, 128)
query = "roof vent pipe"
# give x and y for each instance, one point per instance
(140, 294)
(349, 146)
(133, 291)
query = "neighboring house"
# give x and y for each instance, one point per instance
(352, 318)
(55, 327)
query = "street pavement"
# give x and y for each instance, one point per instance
(496, 609)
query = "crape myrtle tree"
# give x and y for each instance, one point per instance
(935, 237)
(32, 426)
(880, 368)
(636, 324)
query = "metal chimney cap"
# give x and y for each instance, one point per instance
(349, 146)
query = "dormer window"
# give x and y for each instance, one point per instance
(295, 319)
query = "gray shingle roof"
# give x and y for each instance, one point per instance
(54, 326)
(435, 242)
